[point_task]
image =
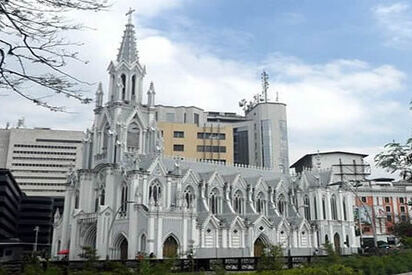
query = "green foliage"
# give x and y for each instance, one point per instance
(397, 158)
(333, 257)
(147, 267)
(90, 255)
(272, 258)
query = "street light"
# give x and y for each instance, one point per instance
(111, 226)
(350, 187)
(36, 229)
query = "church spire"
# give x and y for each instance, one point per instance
(128, 52)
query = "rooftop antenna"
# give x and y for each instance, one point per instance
(129, 14)
(20, 123)
(265, 85)
(318, 163)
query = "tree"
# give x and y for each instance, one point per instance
(397, 158)
(33, 51)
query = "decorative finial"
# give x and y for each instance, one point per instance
(265, 85)
(277, 96)
(129, 13)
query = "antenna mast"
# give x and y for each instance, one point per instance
(265, 85)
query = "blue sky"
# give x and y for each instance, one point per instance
(342, 67)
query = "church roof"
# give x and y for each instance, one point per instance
(128, 51)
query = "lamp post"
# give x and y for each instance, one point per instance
(350, 187)
(111, 226)
(36, 229)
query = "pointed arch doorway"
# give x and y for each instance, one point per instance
(259, 247)
(336, 242)
(123, 249)
(170, 247)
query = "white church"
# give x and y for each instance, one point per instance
(129, 199)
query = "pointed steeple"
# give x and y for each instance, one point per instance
(128, 51)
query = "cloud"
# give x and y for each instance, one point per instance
(396, 22)
(336, 105)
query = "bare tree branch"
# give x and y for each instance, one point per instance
(32, 50)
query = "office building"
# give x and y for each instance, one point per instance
(40, 158)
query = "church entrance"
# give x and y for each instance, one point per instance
(259, 247)
(123, 249)
(170, 248)
(336, 242)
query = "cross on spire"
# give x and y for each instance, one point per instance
(129, 13)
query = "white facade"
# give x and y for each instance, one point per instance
(129, 199)
(40, 158)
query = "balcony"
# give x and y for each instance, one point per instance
(88, 217)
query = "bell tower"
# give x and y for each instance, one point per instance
(126, 73)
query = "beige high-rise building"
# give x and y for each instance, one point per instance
(40, 158)
(213, 143)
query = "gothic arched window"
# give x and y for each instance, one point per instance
(282, 204)
(123, 200)
(123, 79)
(324, 207)
(155, 193)
(345, 218)
(133, 85)
(214, 201)
(133, 136)
(102, 196)
(105, 142)
(315, 207)
(189, 197)
(260, 203)
(76, 199)
(333, 207)
(238, 202)
(306, 202)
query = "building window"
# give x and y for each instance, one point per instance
(214, 201)
(315, 208)
(184, 118)
(344, 209)
(133, 85)
(238, 202)
(363, 199)
(77, 199)
(403, 218)
(102, 196)
(324, 207)
(123, 78)
(389, 217)
(306, 202)
(403, 209)
(178, 147)
(401, 200)
(196, 119)
(155, 193)
(333, 208)
(189, 197)
(282, 205)
(388, 209)
(205, 135)
(386, 200)
(178, 134)
(211, 148)
(260, 203)
(123, 200)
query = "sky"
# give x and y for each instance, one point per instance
(342, 67)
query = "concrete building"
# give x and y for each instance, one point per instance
(387, 202)
(202, 143)
(129, 198)
(259, 138)
(40, 158)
